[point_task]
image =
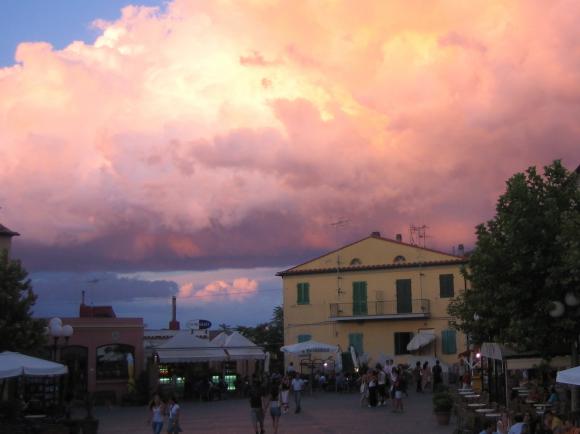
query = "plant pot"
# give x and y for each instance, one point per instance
(443, 417)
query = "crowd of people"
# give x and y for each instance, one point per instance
(383, 385)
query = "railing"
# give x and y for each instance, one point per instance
(417, 308)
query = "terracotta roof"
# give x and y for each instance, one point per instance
(378, 237)
(293, 272)
(96, 311)
(5, 231)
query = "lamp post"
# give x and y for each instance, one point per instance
(56, 330)
(558, 310)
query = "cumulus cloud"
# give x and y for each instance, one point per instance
(219, 291)
(211, 134)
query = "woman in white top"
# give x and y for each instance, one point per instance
(156, 413)
(173, 424)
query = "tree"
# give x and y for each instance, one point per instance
(269, 335)
(18, 330)
(525, 259)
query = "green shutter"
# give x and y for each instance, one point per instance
(356, 340)
(303, 293)
(304, 338)
(448, 342)
(446, 286)
(359, 298)
(404, 297)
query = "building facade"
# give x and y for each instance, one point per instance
(376, 295)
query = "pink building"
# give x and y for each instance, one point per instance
(105, 353)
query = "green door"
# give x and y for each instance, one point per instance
(359, 298)
(404, 302)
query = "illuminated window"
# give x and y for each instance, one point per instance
(115, 361)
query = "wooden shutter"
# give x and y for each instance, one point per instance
(446, 286)
(359, 298)
(448, 342)
(404, 300)
(356, 340)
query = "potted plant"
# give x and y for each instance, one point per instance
(442, 405)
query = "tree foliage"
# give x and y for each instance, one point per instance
(18, 330)
(525, 258)
(269, 335)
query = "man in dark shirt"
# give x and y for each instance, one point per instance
(437, 376)
(257, 407)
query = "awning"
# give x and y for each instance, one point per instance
(184, 347)
(16, 364)
(420, 340)
(533, 362)
(238, 347)
(309, 347)
(496, 351)
(569, 376)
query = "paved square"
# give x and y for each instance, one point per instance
(323, 413)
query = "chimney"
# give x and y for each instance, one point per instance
(376, 234)
(460, 250)
(174, 324)
(399, 238)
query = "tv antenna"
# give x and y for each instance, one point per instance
(340, 223)
(418, 235)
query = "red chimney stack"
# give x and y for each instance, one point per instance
(174, 324)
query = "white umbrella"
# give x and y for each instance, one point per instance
(16, 364)
(420, 340)
(309, 347)
(569, 376)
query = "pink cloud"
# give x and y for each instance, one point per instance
(200, 135)
(219, 291)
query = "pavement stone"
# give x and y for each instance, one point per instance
(322, 413)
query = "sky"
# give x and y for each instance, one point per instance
(191, 148)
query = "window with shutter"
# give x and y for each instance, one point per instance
(359, 298)
(304, 338)
(448, 342)
(446, 287)
(303, 293)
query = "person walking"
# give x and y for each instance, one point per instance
(381, 384)
(372, 380)
(275, 404)
(173, 426)
(257, 407)
(397, 387)
(437, 376)
(417, 377)
(156, 414)
(297, 387)
(284, 393)
(426, 376)
(364, 389)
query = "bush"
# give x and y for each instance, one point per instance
(442, 401)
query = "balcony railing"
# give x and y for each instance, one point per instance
(387, 309)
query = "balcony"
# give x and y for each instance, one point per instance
(380, 310)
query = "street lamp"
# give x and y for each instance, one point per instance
(56, 330)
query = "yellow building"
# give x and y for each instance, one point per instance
(377, 295)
